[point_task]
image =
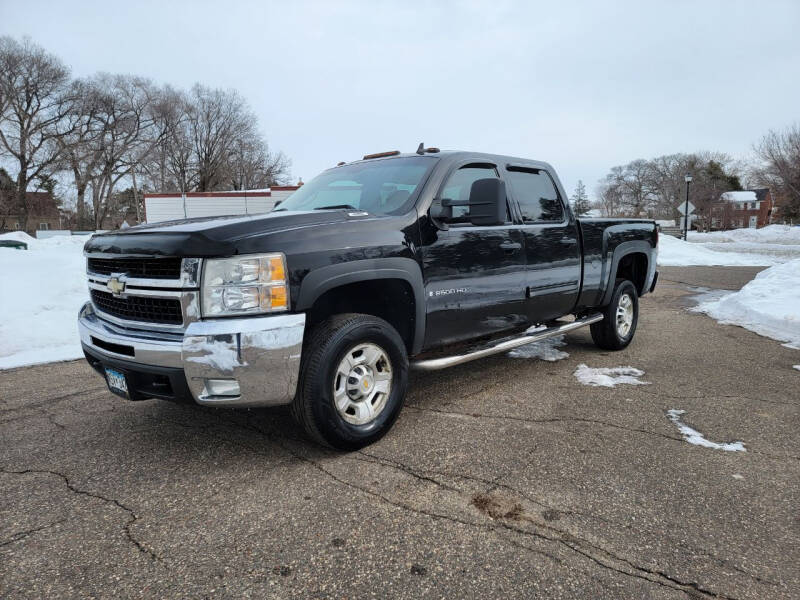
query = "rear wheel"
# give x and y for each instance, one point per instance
(621, 316)
(353, 381)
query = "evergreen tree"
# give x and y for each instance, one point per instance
(580, 200)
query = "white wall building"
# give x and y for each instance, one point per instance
(169, 207)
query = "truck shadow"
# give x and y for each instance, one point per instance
(273, 430)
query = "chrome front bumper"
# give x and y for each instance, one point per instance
(261, 353)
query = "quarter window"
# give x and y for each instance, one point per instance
(536, 194)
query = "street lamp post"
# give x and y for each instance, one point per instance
(688, 180)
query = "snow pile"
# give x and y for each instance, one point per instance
(43, 289)
(771, 234)
(18, 236)
(695, 437)
(673, 252)
(544, 350)
(770, 245)
(609, 377)
(768, 305)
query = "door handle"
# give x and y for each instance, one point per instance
(568, 241)
(510, 247)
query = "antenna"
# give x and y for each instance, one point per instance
(421, 148)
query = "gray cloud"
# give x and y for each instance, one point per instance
(584, 86)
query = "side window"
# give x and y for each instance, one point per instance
(537, 195)
(458, 187)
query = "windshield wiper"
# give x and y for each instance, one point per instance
(335, 206)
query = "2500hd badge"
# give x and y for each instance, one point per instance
(424, 260)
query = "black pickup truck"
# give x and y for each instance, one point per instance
(422, 260)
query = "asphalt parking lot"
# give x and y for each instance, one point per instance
(502, 478)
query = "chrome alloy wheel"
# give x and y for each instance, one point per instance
(362, 384)
(624, 315)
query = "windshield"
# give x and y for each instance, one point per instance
(386, 186)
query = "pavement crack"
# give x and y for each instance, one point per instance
(132, 516)
(402, 467)
(52, 400)
(583, 420)
(546, 421)
(562, 538)
(21, 535)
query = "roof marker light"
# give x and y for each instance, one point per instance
(381, 154)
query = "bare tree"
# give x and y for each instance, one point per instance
(655, 188)
(210, 141)
(779, 153)
(610, 196)
(253, 166)
(82, 142)
(107, 130)
(32, 86)
(169, 167)
(127, 123)
(218, 120)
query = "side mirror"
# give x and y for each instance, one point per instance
(487, 202)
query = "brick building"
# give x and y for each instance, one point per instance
(43, 212)
(748, 208)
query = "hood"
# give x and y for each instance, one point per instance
(210, 236)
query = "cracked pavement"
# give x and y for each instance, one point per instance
(502, 478)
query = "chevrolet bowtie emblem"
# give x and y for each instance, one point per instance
(115, 286)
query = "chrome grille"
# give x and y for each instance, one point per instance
(142, 309)
(136, 292)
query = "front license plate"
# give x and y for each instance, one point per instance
(117, 383)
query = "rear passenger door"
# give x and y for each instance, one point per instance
(474, 275)
(553, 255)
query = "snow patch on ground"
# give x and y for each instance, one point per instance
(609, 377)
(796, 367)
(771, 234)
(673, 252)
(695, 437)
(43, 289)
(768, 305)
(704, 294)
(771, 245)
(544, 350)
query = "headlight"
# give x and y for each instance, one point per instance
(251, 284)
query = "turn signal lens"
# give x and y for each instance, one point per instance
(275, 269)
(274, 298)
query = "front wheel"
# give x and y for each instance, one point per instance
(621, 316)
(353, 381)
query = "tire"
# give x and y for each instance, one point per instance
(614, 334)
(332, 406)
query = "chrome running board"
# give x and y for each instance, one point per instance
(434, 364)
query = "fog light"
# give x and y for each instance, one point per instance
(222, 387)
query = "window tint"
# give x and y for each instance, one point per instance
(536, 194)
(459, 186)
(378, 186)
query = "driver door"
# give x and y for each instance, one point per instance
(474, 275)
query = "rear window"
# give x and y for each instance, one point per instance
(536, 194)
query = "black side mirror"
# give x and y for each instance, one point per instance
(487, 202)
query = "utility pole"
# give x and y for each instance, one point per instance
(688, 180)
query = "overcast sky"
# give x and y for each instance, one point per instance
(584, 86)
